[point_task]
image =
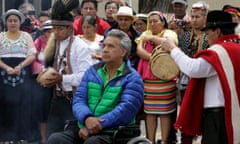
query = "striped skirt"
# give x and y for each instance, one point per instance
(160, 96)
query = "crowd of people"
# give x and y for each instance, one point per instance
(71, 64)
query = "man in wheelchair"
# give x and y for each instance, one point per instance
(109, 96)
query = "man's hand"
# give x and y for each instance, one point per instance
(93, 124)
(53, 80)
(167, 44)
(83, 133)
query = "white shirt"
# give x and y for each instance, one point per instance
(80, 60)
(94, 45)
(200, 68)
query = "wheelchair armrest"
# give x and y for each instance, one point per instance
(130, 128)
(125, 133)
(70, 123)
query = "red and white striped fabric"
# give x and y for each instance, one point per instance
(224, 57)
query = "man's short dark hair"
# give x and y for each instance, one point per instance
(111, 2)
(95, 3)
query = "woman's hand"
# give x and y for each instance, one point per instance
(96, 56)
(10, 70)
(146, 38)
(17, 69)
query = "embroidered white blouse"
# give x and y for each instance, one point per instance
(22, 47)
(200, 68)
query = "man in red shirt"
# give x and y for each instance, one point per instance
(89, 7)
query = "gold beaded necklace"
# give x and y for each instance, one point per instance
(13, 35)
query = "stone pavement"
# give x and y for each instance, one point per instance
(158, 134)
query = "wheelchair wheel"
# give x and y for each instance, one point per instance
(139, 140)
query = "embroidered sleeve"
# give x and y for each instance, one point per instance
(1, 36)
(31, 48)
(32, 51)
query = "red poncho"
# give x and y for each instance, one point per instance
(224, 56)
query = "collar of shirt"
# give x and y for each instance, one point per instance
(65, 40)
(105, 76)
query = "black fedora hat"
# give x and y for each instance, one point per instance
(219, 19)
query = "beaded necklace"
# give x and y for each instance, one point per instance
(196, 44)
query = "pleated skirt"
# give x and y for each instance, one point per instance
(160, 96)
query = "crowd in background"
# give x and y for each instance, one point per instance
(161, 97)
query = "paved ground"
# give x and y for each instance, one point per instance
(158, 134)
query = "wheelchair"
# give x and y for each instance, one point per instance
(123, 135)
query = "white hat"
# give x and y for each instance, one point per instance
(13, 12)
(124, 11)
(185, 2)
(141, 16)
(47, 25)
